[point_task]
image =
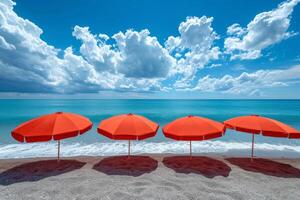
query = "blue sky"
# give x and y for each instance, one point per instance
(149, 49)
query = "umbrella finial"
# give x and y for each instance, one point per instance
(190, 116)
(59, 112)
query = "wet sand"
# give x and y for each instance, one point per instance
(150, 177)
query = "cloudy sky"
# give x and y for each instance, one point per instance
(150, 49)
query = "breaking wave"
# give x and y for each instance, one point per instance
(118, 148)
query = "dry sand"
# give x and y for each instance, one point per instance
(150, 177)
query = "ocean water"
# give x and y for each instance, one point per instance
(14, 112)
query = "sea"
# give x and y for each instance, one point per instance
(162, 111)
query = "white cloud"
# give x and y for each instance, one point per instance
(194, 47)
(5, 45)
(267, 28)
(135, 54)
(140, 85)
(142, 56)
(95, 50)
(33, 65)
(214, 65)
(83, 77)
(29, 64)
(25, 57)
(236, 29)
(197, 33)
(133, 61)
(249, 83)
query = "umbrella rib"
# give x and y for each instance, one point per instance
(279, 126)
(274, 122)
(260, 127)
(242, 120)
(39, 125)
(151, 130)
(53, 127)
(209, 126)
(118, 127)
(67, 117)
(112, 132)
(146, 125)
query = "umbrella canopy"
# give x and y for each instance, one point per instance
(256, 124)
(193, 128)
(127, 127)
(56, 126)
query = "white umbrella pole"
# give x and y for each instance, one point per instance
(252, 152)
(58, 150)
(128, 148)
(190, 149)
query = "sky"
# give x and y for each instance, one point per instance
(150, 49)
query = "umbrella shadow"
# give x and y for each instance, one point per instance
(124, 165)
(267, 167)
(205, 166)
(35, 171)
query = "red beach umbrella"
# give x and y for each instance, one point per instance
(256, 124)
(56, 126)
(127, 127)
(193, 128)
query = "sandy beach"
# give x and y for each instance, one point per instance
(150, 177)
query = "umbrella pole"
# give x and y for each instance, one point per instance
(252, 152)
(58, 150)
(190, 149)
(128, 148)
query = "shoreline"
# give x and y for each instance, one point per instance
(159, 156)
(218, 148)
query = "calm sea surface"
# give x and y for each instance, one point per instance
(14, 112)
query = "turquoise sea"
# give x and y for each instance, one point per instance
(14, 112)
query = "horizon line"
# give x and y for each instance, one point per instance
(246, 99)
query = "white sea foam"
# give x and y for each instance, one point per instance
(118, 148)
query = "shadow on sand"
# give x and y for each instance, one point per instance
(35, 171)
(205, 166)
(267, 167)
(123, 165)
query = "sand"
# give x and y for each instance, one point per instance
(150, 177)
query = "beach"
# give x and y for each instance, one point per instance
(95, 167)
(150, 176)
(150, 100)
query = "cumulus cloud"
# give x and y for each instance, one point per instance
(249, 83)
(5, 45)
(25, 58)
(29, 64)
(135, 54)
(194, 48)
(136, 61)
(142, 56)
(95, 50)
(267, 28)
